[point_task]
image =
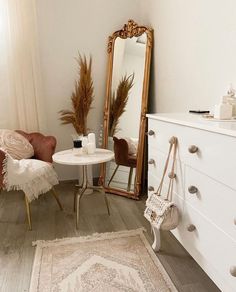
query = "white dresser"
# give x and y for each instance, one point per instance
(204, 189)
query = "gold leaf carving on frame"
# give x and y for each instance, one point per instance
(131, 29)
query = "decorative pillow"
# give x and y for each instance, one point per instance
(132, 144)
(15, 144)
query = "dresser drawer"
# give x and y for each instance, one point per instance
(214, 200)
(209, 246)
(156, 161)
(216, 155)
(156, 168)
(153, 183)
(160, 135)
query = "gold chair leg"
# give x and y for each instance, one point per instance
(130, 178)
(55, 195)
(27, 205)
(113, 175)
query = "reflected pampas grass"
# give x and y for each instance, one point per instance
(119, 101)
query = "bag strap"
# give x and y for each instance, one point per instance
(173, 144)
(172, 174)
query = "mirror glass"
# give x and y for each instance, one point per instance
(125, 110)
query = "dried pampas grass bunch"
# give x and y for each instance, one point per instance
(119, 101)
(81, 98)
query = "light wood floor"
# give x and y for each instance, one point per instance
(17, 253)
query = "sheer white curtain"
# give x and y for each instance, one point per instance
(21, 104)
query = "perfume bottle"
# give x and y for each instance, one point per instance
(232, 99)
(223, 110)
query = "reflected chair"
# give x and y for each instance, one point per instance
(44, 148)
(123, 158)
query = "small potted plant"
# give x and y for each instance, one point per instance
(81, 98)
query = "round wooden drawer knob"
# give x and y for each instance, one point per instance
(173, 140)
(233, 271)
(151, 133)
(193, 149)
(151, 189)
(192, 190)
(191, 228)
(172, 175)
(151, 161)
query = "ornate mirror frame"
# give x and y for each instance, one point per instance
(129, 30)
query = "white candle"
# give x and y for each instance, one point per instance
(92, 139)
(90, 148)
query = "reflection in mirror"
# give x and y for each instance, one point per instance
(125, 108)
(128, 70)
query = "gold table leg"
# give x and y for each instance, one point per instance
(78, 194)
(77, 187)
(101, 190)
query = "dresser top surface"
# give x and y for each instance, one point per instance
(197, 121)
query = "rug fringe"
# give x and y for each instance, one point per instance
(98, 236)
(158, 263)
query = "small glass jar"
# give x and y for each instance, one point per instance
(77, 141)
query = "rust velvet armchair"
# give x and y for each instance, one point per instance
(44, 148)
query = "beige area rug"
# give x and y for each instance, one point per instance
(107, 262)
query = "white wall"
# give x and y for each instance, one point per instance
(66, 27)
(4, 84)
(195, 52)
(193, 60)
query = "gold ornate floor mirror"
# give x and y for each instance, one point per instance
(129, 57)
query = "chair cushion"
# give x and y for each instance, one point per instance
(132, 145)
(15, 144)
(33, 177)
(122, 156)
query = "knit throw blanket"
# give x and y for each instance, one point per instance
(33, 177)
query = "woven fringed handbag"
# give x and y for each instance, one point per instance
(160, 210)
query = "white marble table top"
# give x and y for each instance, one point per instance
(73, 157)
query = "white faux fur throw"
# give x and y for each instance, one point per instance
(33, 177)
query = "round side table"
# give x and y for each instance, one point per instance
(71, 157)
